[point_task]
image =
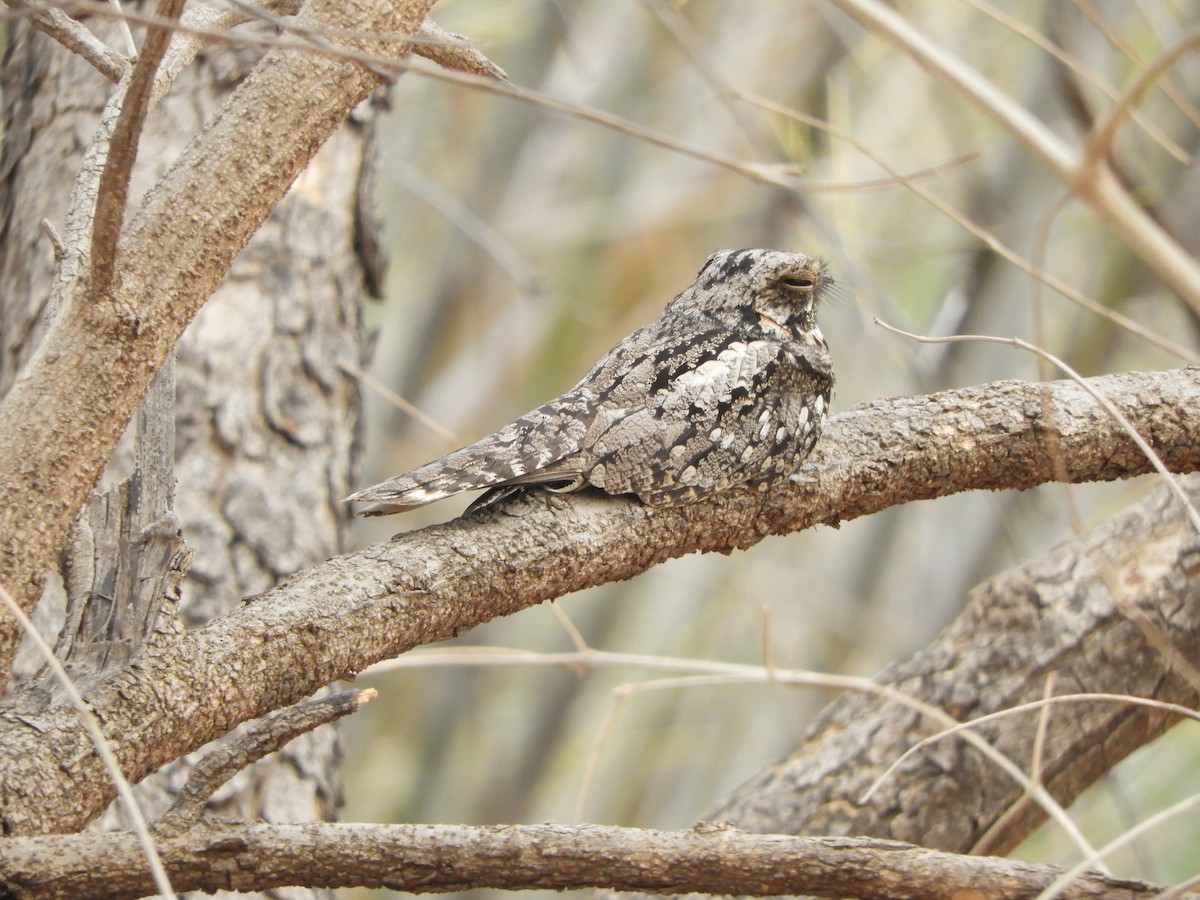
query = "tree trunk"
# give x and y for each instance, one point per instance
(266, 415)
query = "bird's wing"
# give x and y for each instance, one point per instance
(541, 446)
(711, 425)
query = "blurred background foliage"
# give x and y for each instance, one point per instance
(525, 242)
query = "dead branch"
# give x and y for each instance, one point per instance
(439, 858)
(338, 617)
(264, 736)
(122, 150)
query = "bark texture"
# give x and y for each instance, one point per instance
(336, 618)
(35, 167)
(440, 858)
(1116, 612)
(60, 423)
(263, 400)
(266, 428)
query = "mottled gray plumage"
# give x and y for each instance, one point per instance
(730, 385)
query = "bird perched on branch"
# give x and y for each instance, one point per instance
(729, 386)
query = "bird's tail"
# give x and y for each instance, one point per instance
(530, 450)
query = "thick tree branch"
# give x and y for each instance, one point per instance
(339, 617)
(61, 421)
(439, 858)
(1115, 612)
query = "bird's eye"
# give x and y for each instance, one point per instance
(797, 283)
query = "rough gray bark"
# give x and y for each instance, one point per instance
(263, 400)
(125, 562)
(35, 169)
(1116, 612)
(338, 617)
(60, 423)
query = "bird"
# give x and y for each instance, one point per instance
(729, 386)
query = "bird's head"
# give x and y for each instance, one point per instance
(768, 290)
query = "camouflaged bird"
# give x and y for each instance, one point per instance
(729, 386)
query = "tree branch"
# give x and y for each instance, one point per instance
(75, 37)
(61, 421)
(1091, 180)
(338, 617)
(1114, 612)
(439, 858)
(264, 736)
(122, 149)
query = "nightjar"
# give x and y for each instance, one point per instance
(729, 386)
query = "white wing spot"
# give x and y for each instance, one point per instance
(713, 381)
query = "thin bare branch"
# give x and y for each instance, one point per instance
(619, 697)
(1103, 134)
(103, 747)
(1036, 759)
(1045, 703)
(1099, 187)
(130, 46)
(75, 37)
(1066, 881)
(686, 39)
(1181, 102)
(262, 737)
(1075, 65)
(989, 239)
(399, 402)
(209, 24)
(466, 73)
(786, 175)
(490, 241)
(113, 188)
